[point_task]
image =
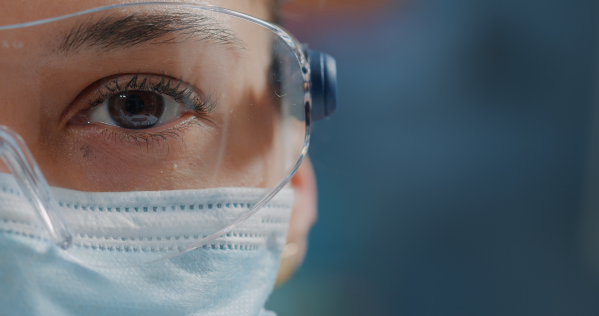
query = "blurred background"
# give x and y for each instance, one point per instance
(460, 173)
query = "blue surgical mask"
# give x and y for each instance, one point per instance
(232, 275)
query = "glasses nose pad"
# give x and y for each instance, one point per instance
(19, 161)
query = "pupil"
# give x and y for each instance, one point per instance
(134, 104)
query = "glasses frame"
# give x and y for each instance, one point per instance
(20, 161)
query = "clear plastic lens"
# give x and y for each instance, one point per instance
(166, 98)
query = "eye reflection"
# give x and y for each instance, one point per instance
(136, 109)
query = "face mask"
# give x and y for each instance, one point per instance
(232, 275)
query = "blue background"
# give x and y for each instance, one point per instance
(452, 178)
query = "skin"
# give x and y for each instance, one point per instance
(81, 156)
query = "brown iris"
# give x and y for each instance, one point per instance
(136, 109)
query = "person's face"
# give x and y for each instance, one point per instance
(58, 88)
(48, 84)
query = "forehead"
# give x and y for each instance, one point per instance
(16, 11)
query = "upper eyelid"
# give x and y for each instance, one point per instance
(115, 85)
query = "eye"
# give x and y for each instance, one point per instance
(131, 102)
(136, 110)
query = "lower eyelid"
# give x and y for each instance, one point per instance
(111, 136)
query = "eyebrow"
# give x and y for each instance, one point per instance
(121, 32)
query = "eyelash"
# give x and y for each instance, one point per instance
(183, 95)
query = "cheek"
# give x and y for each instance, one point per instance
(102, 159)
(254, 145)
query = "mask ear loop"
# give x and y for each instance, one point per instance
(22, 165)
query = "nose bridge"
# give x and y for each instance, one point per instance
(22, 52)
